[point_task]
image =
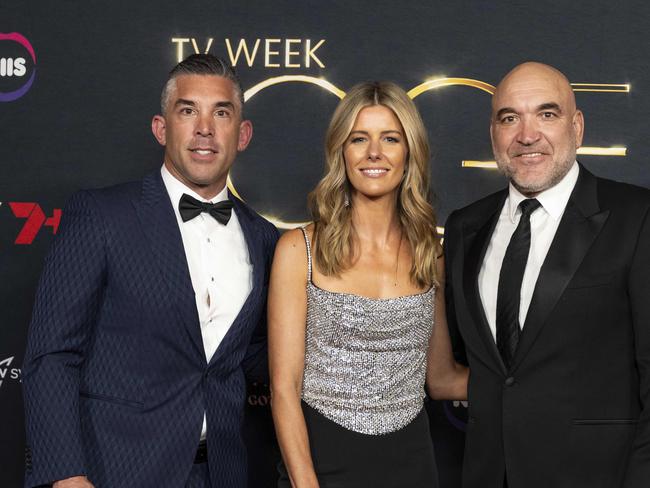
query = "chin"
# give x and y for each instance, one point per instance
(531, 186)
(377, 195)
(528, 189)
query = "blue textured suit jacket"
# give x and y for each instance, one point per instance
(115, 375)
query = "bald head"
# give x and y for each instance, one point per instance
(532, 75)
(535, 127)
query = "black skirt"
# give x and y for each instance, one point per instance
(347, 459)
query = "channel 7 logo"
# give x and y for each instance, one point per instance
(35, 220)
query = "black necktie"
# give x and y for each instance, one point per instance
(190, 207)
(510, 278)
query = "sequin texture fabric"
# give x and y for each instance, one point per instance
(365, 358)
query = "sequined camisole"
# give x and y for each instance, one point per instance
(365, 358)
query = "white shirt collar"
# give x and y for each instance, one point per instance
(553, 200)
(176, 188)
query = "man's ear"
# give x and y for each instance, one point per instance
(245, 134)
(158, 127)
(492, 134)
(578, 127)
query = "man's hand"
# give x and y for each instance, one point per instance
(74, 482)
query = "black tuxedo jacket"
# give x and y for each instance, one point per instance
(574, 409)
(115, 377)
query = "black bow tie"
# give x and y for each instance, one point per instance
(190, 207)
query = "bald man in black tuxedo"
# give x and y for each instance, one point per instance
(548, 284)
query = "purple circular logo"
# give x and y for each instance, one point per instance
(456, 413)
(16, 67)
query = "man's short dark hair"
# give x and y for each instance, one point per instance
(201, 64)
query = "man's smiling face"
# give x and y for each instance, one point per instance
(202, 131)
(535, 127)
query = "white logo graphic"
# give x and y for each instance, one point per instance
(12, 67)
(8, 373)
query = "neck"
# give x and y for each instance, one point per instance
(375, 220)
(207, 191)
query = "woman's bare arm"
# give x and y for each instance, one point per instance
(446, 379)
(287, 311)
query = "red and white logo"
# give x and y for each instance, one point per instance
(35, 220)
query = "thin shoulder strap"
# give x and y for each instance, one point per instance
(308, 244)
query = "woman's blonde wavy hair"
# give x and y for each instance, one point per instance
(329, 202)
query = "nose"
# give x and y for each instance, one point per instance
(528, 131)
(374, 150)
(204, 125)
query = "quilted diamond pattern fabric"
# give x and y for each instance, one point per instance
(115, 377)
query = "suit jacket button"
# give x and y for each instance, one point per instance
(509, 381)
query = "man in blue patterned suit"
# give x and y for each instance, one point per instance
(151, 311)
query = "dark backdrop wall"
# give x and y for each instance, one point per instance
(80, 81)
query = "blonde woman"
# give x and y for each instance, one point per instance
(356, 308)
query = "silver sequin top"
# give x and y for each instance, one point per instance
(365, 358)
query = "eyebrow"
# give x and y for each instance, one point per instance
(191, 103)
(543, 106)
(549, 106)
(382, 132)
(182, 101)
(225, 104)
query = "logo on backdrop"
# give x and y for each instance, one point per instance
(17, 66)
(268, 52)
(35, 220)
(7, 372)
(426, 86)
(258, 395)
(298, 53)
(456, 413)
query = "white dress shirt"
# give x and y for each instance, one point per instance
(219, 265)
(543, 224)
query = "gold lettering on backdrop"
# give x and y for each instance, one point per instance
(584, 150)
(179, 48)
(603, 151)
(268, 53)
(274, 57)
(278, 53)
(413, 93)
(242, 46)
(207, 47)
(486, 87)
(601, 87)
(288, 53)
(310, 53)
(277, 80)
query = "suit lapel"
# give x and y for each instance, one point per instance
(257, 262)
(476, 243)
(580, 224)
(160, 226)
(248, 229)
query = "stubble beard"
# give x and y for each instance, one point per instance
(530, 189)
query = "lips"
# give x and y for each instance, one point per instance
(374, 172)
(528, 151)
(203, 154)
(203, 151)
(528, 155)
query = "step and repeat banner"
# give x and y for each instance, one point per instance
(80, 82)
